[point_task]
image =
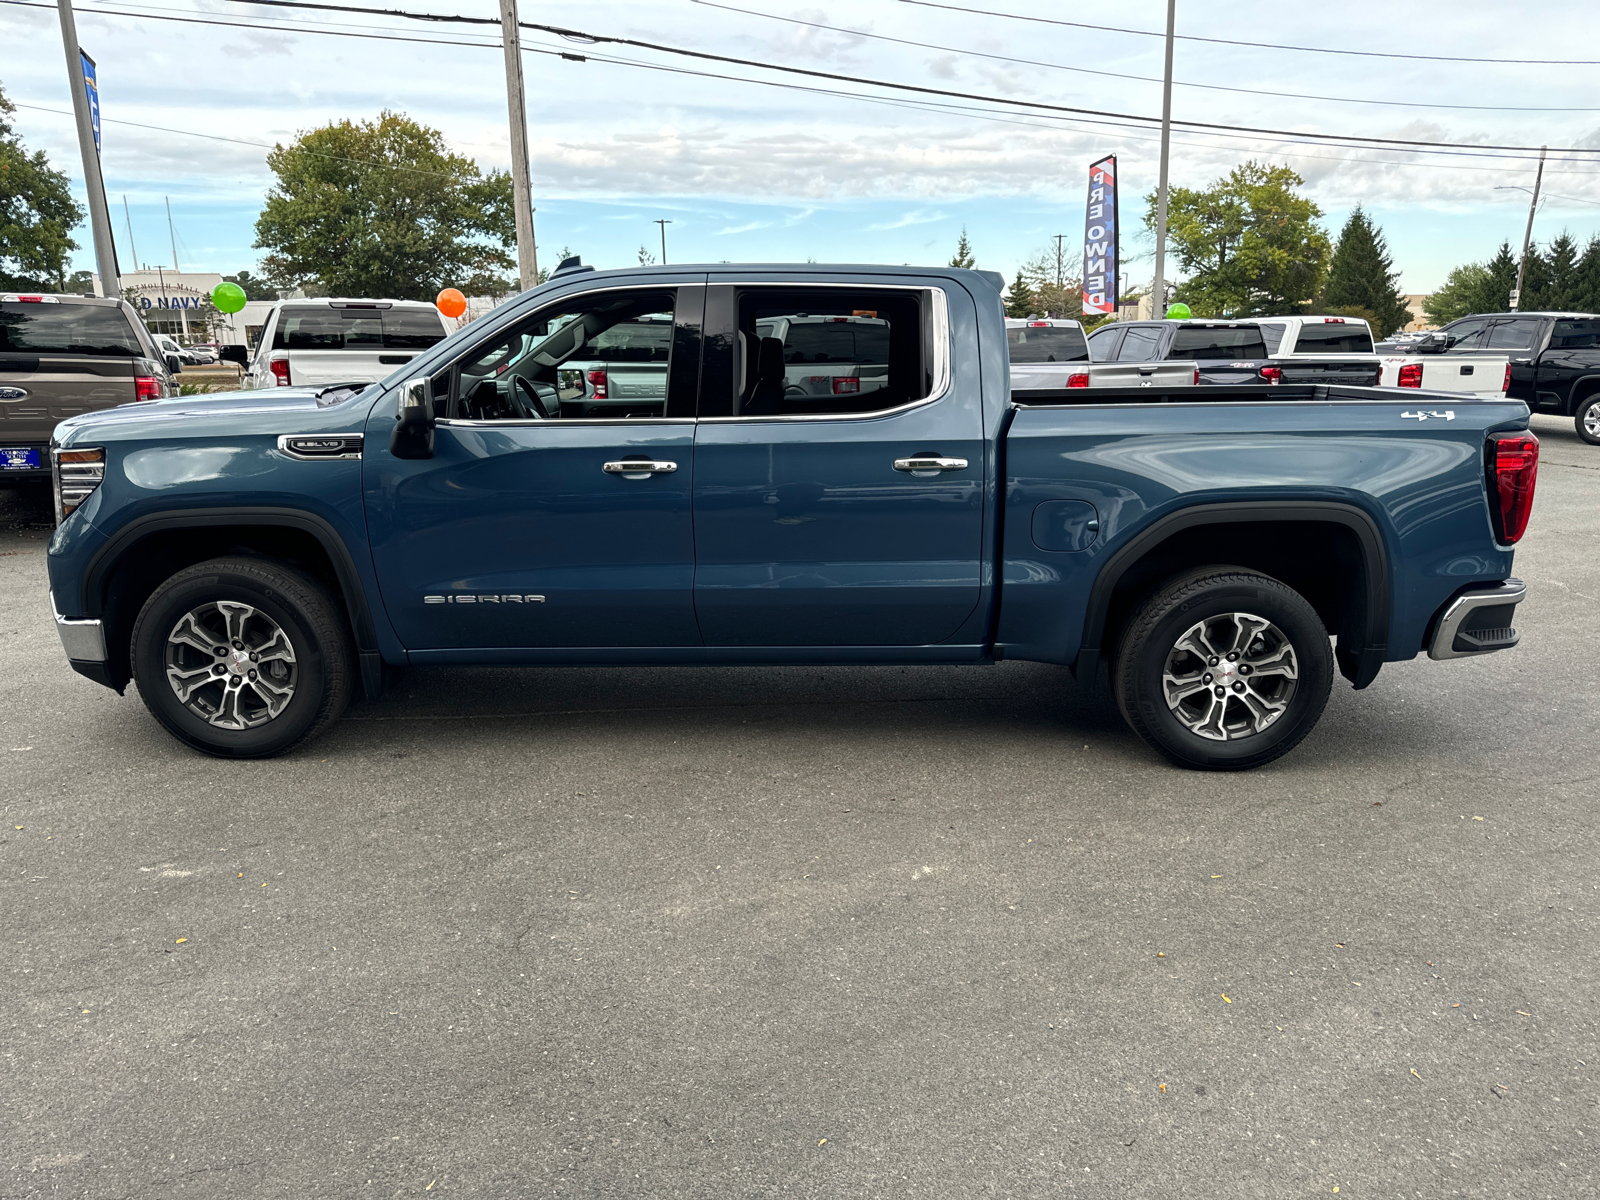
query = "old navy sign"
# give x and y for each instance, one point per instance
(147, 302)
(1100, 240)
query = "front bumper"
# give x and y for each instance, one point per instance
(84, 641)
(1478, 621)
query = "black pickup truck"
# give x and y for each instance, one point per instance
(1228, 353)
(1555, 360)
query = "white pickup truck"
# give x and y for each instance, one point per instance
(1424, 363)
(327, 341)
(1322, 350)
(1054, 353)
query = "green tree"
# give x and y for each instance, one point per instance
(1019, 296)
(963, 256)
(37, 215)
(382, 208)
(1586, 278)
(1475, 288)
(1502, 269)
(1361, 275)
(255, 287)
(1249, 243)
(1551, 278)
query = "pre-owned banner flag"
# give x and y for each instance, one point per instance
(1100, 251)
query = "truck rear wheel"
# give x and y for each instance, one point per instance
(242, 658)
(1223, 669)
(1587, 419)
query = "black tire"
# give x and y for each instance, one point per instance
(1587, 419)
(1274, 711)
(314, 683)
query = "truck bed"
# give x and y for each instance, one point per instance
(1320, 393)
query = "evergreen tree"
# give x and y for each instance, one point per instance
(1586, 279)
(1019, 296)
(1361, 275)
(1502, 277)
(963, 257)
(1551, 279)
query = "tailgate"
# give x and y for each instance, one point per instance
(1353, 372)
(1139, 374)
(55, 387)
(343, 366)
(1481, 374)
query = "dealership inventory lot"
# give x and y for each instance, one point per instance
(846, 931)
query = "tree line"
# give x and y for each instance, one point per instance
(1561, 277)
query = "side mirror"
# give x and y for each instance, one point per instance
(174, 364)
(1436, 342)
(413, 427)
(235, 354)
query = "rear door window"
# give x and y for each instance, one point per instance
(1220, 341)
(1046, 344)
(1575, 335)
(93, 329)
(1333, 337)
(1139, 344)
(323, 328)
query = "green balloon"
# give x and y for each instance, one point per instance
(1177, 312)
(228, 297)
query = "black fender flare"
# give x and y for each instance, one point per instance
(344, 567)
(1359, 664)
(1579, 390)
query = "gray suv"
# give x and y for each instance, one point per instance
(65, 355)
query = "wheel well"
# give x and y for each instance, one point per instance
(144, 565)
(1581, 391)
(1322, 560)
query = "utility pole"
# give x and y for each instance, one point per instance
(522, 188)
(663, 222)
(1527, 234)
(78, 66)
(1158, 294)
(1059, 236)
(173, 234)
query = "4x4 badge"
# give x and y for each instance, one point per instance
(1448, 414)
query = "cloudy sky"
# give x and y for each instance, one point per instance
(753, 165)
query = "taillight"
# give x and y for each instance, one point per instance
(845, 385)
(1505, 385)
(1195, 382)
(597, 380)
(1272, 374)
(1513, 462)
(146, 387)
(30, 299)
(1410, 375)
(1038, 324)
(76, 474)
(1080, 379)
(280, 371)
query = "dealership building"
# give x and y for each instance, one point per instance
(179, 303)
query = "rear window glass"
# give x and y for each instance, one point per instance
(1331, 338)
(1272, 333)
(1513, 335)
(835, 340)
(356, 329)
(67, 329)
(1575, 335)
(1051, 343)
(641, 341)
(1236, 341)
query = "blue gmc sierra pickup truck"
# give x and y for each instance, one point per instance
(251, 560)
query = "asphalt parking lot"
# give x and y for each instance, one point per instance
(864, 932)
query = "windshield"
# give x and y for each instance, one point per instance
(97, 329)
(322, 328)
(1333, 338)
(1218, 341)
(1047, 343)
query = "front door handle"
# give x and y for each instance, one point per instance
(930, 463)
(639, 468)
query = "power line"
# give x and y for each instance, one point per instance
(1184, 37)
(596, 39)
(1210, 87)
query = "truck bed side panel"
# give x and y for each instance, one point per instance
(1422, 482)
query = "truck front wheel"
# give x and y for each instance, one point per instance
(242, 657)
(1587, 419)
(1223, 669)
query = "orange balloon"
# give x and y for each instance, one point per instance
(451, 302)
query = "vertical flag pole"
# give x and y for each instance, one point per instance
(1158, 296)
(79, 67)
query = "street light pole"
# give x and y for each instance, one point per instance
(1527, 234)
(105, 250)
(663, 222)
(1059, 236)
(1158, 297)
(522, 188)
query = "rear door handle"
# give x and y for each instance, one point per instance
(639, 467)
(930, 464)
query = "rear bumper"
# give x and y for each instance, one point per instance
(1477, 621)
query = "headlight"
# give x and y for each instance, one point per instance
(76, 474)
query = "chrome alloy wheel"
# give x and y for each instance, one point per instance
(230, 664)
(1230, 676)
(1591, 422)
